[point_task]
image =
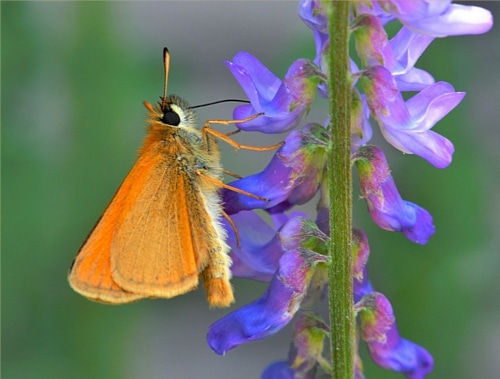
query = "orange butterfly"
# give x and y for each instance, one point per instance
(162, 231)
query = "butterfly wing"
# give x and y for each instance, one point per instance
(142, 246)
(90, 272)
(159, 233)
(167, 235)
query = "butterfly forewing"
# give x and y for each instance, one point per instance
(90, 273)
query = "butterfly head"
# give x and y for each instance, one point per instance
(172, 111)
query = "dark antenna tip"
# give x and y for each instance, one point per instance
(166, 67)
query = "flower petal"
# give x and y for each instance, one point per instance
(386, 347)
(387, 208)
(406, 125)
(284, 103)
(260, 248)
(269, 314)
(278, 370)
(313, 15)
(293, 175)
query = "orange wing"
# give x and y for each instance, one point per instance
(154, 251)
(142, 246)
(90, 272)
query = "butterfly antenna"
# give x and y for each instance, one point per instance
(166, 66)
(220, 101)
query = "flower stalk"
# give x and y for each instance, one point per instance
(342, 318)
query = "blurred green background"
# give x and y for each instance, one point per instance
(74, 75)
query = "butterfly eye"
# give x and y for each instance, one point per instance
(171, 118)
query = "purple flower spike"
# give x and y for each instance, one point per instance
(290, 252)
(269, 314)
(439, 18)
(387, 208)
(386, 347)
(407, 125)
(284, 103)
(293, 175)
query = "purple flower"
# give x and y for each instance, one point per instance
(260, 248)
(439, 18)
(360, 253)
(386, 347)
(372, 44)
(323, 208)
(306, 350)
(313, 15)
(406, 125)
(387, 208)
(322, 42)
(292, 177)
(309, 333)
(378, 325)
(269, 314)
(361, 129)
(278, 370)
(406, 48)
(397, 55)
(284, 103)
(257, 320)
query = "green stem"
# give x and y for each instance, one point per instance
(342, 319)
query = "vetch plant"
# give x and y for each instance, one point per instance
(303, 259)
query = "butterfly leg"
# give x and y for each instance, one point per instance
(227, 186)
(225, 136)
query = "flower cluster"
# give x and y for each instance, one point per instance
(290, 253)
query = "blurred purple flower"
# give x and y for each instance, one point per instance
(439, 18)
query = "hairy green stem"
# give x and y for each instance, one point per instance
(342, 319)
